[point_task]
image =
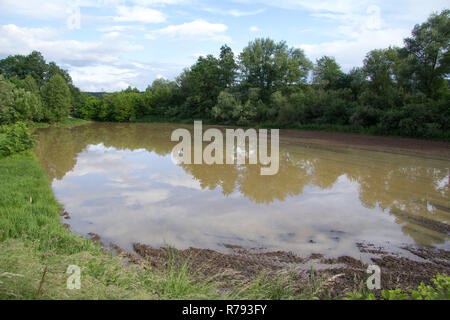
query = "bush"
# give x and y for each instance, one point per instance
(15, 138)
(440, 290)
(364, 116)
(226, 103)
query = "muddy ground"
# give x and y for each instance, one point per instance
(417, 147)
(338, 275)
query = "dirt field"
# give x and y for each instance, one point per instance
(426, 148)
(341, 275)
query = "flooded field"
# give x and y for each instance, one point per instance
(118, 181)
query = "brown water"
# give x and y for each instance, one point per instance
(118, 181)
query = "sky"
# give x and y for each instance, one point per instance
(108, 45)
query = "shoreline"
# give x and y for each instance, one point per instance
(348, 274)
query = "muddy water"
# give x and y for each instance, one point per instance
(118, 181)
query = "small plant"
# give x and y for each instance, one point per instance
(396, 294)
(360, 296)
(440, 290)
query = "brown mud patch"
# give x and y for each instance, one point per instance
(339, 275)
(65, 214)
(95, 237)
(425, 148)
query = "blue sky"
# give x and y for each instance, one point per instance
(107, 45)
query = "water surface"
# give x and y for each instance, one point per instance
(118, 181)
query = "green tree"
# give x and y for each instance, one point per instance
(57, 98)
(272, 66)
(382, 67)
(384, 89)
(226, 103)
(427, 52)
(228, 67)
(7, 111)
(29, 84)
(200, 86)
(20, 66)
(53, 69)
(159, 97)
(327, 73)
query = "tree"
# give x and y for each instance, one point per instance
(200, 86)
(427, 52)
(7, 112)
(382, 67)
(57, 98)
(327, 73)
(29, 84)
(20, 66)
(226, 103)
(27, 105)
(272, 66)
(159, 97)
(228, 67)
(53, 69)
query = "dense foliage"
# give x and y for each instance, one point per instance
(32, 90)
(15, 138)
(398, 91)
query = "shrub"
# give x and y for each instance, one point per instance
(223, 110)
(15, 138)
(364, 116)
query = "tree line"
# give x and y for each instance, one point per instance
(398, 91)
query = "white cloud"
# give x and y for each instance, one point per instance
(18, 40)
(357, 34)
(119, 76)
(326, 5)
(234, 12)
(61, 9)
(51, 9)
(121, 28)
(196, 30)
(139, 14)
(157, 2)
(351, 52)
(254, 29)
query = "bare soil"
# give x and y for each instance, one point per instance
(425, 148)
(341, 275)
